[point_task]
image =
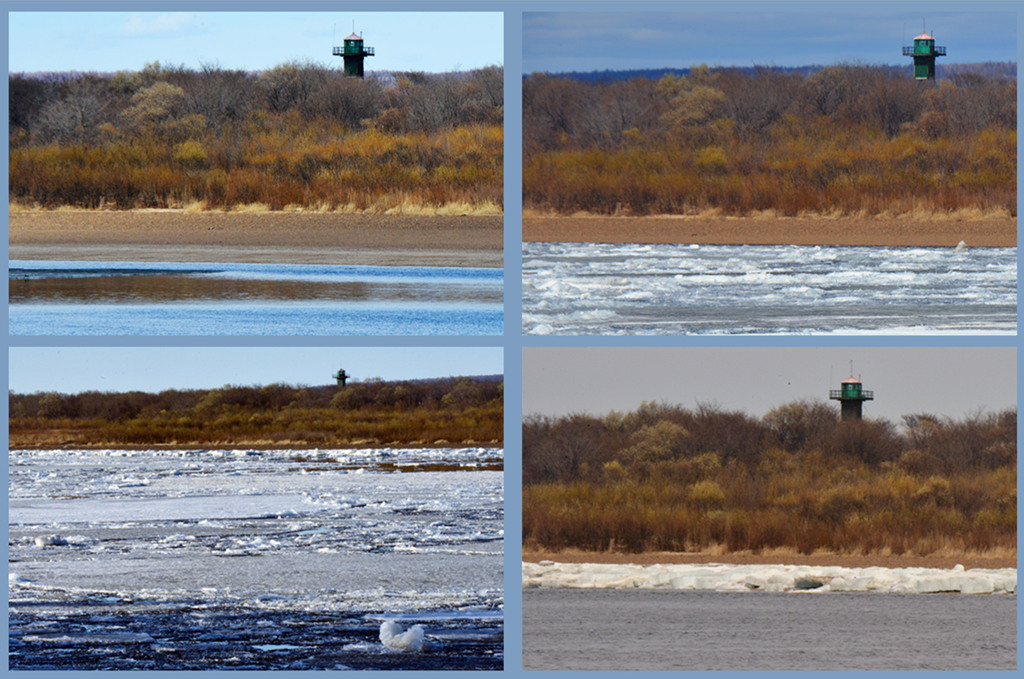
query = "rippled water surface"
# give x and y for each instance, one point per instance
(103, 298)
(254, 559)
(587, 288)
(684, 630)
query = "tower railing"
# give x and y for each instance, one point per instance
(339, 51)
(864, 395)
(909, 51)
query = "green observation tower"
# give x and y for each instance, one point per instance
(341, 376)
(353, 52)
(924, 52)
(851, 395)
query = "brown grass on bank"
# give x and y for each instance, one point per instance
(406, 206)
(293, 135)
(848, 139)
(460, 411)
(667, 479)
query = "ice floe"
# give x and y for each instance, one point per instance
(769, 578)
(392, 636)
(672, 289)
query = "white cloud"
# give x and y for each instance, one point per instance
(148, 23)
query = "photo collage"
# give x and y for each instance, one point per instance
(512, 336)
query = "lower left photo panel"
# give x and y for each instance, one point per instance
(256, 508)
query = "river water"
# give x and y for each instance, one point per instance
(254, 559)
(590, 629)
(626, 289)
(124, 298)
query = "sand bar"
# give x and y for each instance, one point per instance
(791, 559)
(772, 231)
(263, 237)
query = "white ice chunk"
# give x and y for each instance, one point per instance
(50, 541)
(392, 636)
(770, 578)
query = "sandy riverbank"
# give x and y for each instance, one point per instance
(264, 237)
(844, 560)
(773, 231)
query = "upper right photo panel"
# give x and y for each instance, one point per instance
(769, 173)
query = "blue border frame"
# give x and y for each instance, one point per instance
(512, 342)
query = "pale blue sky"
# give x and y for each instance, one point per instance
(115, 41)
(797, 35)
(950, 381)
(76, 369)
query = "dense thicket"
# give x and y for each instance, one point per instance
(844, 139)
(295, 135)
(374, 412)
(668, 478)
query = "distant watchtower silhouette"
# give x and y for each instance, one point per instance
(924, 52)
(353, 51)
(851, 395)
(341, 376)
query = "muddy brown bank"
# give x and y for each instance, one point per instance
(266, 237)
(773, 231)
(792, 559)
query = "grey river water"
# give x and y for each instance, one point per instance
(571, 629)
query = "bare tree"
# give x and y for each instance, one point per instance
(76, 116)
(291, 85)
(220, 96)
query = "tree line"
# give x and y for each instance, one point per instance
(845, 138)
(991, 69)
(169, 135)
(377, 412)
(668, 478)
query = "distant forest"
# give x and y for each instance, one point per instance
(667, 478)
(297, 135)
(423, 412)
(988, 69)
(839, 140)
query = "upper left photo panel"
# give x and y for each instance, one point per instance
(256, 173)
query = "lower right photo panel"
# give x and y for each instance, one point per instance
(791, 508)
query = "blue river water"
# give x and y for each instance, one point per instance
(125, 298)
(255, 559)
(636, 289)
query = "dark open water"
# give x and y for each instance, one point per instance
(573, 629)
